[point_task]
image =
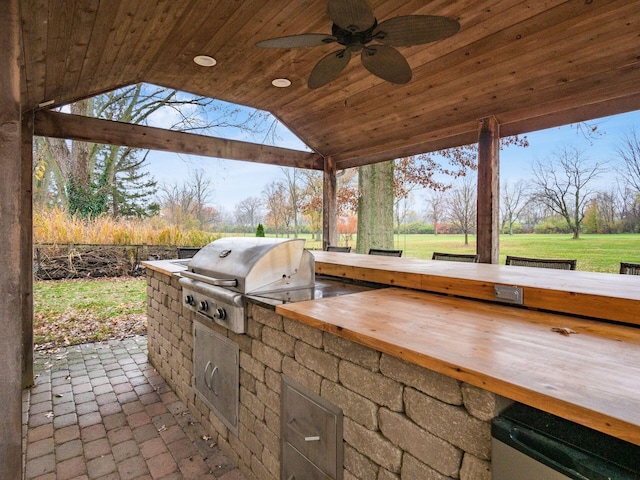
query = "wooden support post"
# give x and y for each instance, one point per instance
(329, 204)
(488, 228)
(10, 247)
(26, 245)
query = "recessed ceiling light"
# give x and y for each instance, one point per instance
(281, 82)
(205, 60)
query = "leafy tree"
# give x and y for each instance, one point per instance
(563, 185)
(260, 230)
(434, 171)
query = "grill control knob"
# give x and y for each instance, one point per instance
(189, 300)
(203, 306)
(220, 314)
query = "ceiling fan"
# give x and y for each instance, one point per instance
(356, 28)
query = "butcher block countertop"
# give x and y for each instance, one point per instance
(583, 370)
(599, 295)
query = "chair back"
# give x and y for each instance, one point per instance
(187, 252)
(456, 257)
(627, 268)
(387, 253)
(334, 248)
(556, 263)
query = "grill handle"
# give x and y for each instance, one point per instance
(218, 282)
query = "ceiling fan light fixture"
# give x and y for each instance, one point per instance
(281, 82)
(355, 27)
(205, 60)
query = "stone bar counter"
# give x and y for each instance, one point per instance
(418, 374)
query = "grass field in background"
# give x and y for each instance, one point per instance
(596, 253)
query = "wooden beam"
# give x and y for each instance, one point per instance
(26, 244)
(488, 228)
(95, 130)
(11, 248)
(329, 204)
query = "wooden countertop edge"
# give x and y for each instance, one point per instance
(574, 302)
(597, 420)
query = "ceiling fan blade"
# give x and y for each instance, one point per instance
(353, 15)
(415, 30)
(328, 68)
(297, 41)
(387, 63)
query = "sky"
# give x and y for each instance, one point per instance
(234, 181)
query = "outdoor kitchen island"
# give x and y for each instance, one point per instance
(418, 376)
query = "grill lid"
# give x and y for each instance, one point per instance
(254, 264)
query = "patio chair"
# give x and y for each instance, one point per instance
(456, 257)
(334, 248)
(627, 268)
(556, 263)
(387, 253)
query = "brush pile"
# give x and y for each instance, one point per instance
(56, 262)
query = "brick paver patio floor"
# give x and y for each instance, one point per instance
(101, 411)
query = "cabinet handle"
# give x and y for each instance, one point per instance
(205, 374)
(213, 372)
(307, 438)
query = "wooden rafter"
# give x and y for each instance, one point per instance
(88, 129)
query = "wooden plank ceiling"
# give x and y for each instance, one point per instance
(532, 64)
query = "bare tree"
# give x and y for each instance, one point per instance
(275, 202)
(436, 208)
(292, 183)
(186, 205)
(564, 185)
(249, 212)
(311, 199)
(462, 206)
(629, 152)
(514, 200)
(91, 179)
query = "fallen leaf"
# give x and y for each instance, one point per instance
(206, 438)
(58, 395)
(563, 330)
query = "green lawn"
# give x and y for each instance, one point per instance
(597, 253)
(69, 312)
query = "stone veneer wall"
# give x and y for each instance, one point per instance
(400, 420)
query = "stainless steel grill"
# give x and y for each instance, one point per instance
(222, 274)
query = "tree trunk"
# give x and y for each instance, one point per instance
(375, 207)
